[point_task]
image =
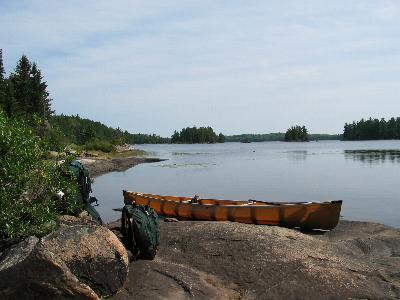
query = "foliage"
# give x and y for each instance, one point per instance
(255, 137)
(221, 138)
(24, 93)
(28, 183)
(99, 146)
(372, 129)
(82, 131)
(197, 136)
(297, 134)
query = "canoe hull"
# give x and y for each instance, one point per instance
(323, 215)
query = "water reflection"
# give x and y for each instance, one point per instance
(269, 171)
(373, 155)
(297, 155)
(190, 153)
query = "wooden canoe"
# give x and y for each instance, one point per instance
(307, 215)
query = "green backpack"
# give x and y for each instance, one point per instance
(85, 188)
(141, 230)
(83, 177)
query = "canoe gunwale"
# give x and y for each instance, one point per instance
(309, 215)
(249, 203)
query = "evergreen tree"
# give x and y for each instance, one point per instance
(221, 138)
(196, 135)
(372, 129)
(297, 134)
(10, 105)
(175, 137)
(39, 101)
(21, 82)
(30, 96)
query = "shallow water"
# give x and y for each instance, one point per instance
(365, 175)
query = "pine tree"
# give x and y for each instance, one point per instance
(10, 105)
(175, 137)
(221, 138)
(39, 100)
(21, 82)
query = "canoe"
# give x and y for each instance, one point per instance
(306, 215)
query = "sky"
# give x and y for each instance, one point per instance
(237, 66)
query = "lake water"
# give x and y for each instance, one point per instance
(365, 175)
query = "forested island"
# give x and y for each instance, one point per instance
(372, 129)
(194, 135)
(297, 134)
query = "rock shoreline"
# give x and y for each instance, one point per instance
(100, 166)
(203, 260)
(225, 260)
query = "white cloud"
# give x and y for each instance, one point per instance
(155, 66)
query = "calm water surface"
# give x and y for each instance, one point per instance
(365, 175)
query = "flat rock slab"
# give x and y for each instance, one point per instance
(224, 260)
(102, 166)
(159, 279)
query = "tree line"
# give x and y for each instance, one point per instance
(194, 135)
(372, 129)
(255, 137)
(24, 95)
(81, 131)
(276, 136)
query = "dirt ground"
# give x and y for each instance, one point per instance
(224, 260)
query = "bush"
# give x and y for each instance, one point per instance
(29, 183)
(99, 146)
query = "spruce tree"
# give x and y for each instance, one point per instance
(39, 100)
(21, 82)
(10, 105)
(221, 138)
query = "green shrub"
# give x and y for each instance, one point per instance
(99, 146)
(29, 183)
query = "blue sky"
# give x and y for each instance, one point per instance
(238, 66)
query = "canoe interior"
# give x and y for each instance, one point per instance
(216, 201)
(308, 215)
